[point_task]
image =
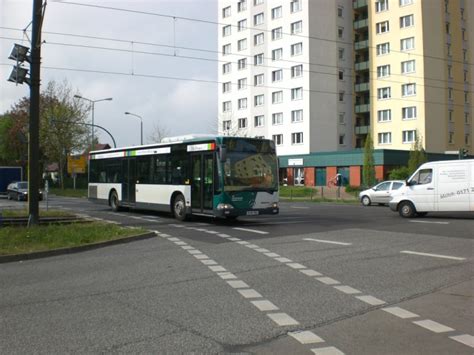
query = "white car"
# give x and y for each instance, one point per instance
(380, 193)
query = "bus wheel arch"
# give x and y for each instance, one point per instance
(178, 206)
(114, 201)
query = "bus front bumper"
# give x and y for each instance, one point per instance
(237, 212)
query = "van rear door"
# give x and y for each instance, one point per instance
(453, 186)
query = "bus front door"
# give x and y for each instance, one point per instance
(129, 180)
(202, 188)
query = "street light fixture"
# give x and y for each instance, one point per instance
(141, 125)
(92, 102)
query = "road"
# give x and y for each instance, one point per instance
(317, 279)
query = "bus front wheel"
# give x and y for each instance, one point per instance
(114, 202)
(179, 208)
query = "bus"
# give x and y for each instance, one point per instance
(218, 176)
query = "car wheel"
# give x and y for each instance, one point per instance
(179, 208)
(114, 202)
(406, 209)
(366, 200)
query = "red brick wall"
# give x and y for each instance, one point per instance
(289, 172)
(380, 172)
(309, 177)
(331, 172)
(354, 172)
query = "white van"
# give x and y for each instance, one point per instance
(437, 187)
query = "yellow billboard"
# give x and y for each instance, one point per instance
(76, 164)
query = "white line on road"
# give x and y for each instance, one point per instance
(428, 222)
(331, 350)
(327, 280)
(310, 272)
(347, 289)
(306, 337)
(326, 241)
(299, 207)
(282, 319)
(250, 230)
(264, 305)
(465, 339)
(370, 300)
(237, 284)
(250, 293)
(400, 312)
(433, 326)
(432, 255)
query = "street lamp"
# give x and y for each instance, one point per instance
(141, 125)
(92, 102)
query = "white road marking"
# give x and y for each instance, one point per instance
(432, 255)
(310, 272)
(238, 284)
(400, 312)
(370, 300)
(283, 260)
(429, 222)
(252, 246)
(326, 241)
(187, 247)
(150, 220)
(272, 255)
(180, 243)
(177, 225)
(217, 268)
(306, 337)
(465, 339)
(282, 319)
(296, 266)
(250, 230)
(327, 280)
(164, 235)
(209, 262)
(250, 293)
(234, 239)
(264, 305)
(194, 251)
(112, 222)
(201, 256)
(226, 275)
(299, 207)
(347, 289)
(433, 326)
(262, 250)
(224, 235)
(212, 232)
(331, 350)
(243, 242)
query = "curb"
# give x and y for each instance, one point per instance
(72, 250)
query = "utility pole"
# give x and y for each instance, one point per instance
(33, 146)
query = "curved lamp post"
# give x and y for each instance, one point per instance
(141, 125)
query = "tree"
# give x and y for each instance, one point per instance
(158, 133)
(368, 169)
(400, 173)
(417, 155)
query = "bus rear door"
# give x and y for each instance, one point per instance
(202, 188)
(129, 181)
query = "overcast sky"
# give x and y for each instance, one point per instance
(180, 106)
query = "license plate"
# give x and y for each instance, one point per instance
(252, 213)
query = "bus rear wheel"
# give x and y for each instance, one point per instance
(179, 208)
(114, 202)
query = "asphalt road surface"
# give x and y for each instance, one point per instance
(316, 279)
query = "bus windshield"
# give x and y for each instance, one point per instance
(250, 165)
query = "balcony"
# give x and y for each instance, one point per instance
(361, 45)
(357, 4)
(361, 66)
(361, 24)
(362, 108)
(362, 87)
(362, 129)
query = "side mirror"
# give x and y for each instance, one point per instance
(222, 153)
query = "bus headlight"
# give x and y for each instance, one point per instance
(275, 205)
(224, 206)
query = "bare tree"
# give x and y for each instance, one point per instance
(228, 126)
(158, 133)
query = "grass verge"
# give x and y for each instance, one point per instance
(19, 240)
(297, 191)
(69, 192)
(43, 213)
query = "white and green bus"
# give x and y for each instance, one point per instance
(213, 176)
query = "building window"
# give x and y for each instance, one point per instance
(259, 121)
(408, 66)
(241, 25)
(406, 2)
(277, 75)
(340, 53)
(408, 89)
(466, 97)
(295, 6)
(409, 113)
(341, 96)
(277, 118)
(448, 50)
(450, 116)
(226, 68)
(297, 93)
(451, 137)
(258, 59)
(226, 125)
(277, 54)
(276, 12)
(242, 44)
(226, 12)
(226, 106)
(467, 139)
(466, 78)
(450, 71)
(466, 118)
(407, 44)
(226, 87)
(340, 11)
(450, 93)
(258, 39)
(278, 139)
(383, 71)
(242, 103)
(342, 139)
(297, 71)
(341, 74)
(226, 49)
(226, 30)
(296, 27)
(340, 32)
(296, 116)
(242, 5)
(242, 84)
(381, 27)
(259, 100)
(384, 93)
(385, 138)
(409, 136)
(447, 28)
(242, 123)
(258, 19)
(384, 115)
(257, 2)
(297, 138)
(407, 21)
(277, 33)
(259, 80)
(242, 63)
(381, 5)
(296, 49)
(277, 97)
(342, 118)
(383, 48)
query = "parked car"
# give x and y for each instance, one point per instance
(380, 193)
(19, 191)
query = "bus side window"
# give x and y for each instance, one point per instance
(160, 173)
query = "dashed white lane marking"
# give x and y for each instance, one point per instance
(283, 260)
(370, 300)
(250, 293)
(252, 246)
(400, 312)
(433, 326)
(194, 251)
(180, 243)
(111, 222)
(282, 319)
(331, 350)
(264, 305)
(226, 275)
(299, 207)
(306, 337)
(224, 235)
(234, 239)
(310, 272)
(201, 256)
(243, 242)
(271, 255)
(296, 266)
(327, 280)
(209, 262)
(428, 222)
(326, 241)
(217, 268)
(432, 255)
(174, 239)
(187, 247)
(250, 230)
(262, 250)
(465, 339)
(212, 232)
(347, 289)
(238, 284)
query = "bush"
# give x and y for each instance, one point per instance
(401, 173)
(350, 189)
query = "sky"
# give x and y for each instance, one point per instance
(177, 106)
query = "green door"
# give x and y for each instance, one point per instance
(320, 176)
(202, 187)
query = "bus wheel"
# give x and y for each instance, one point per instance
(179, 208)
(114, 202)
(406, 209)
